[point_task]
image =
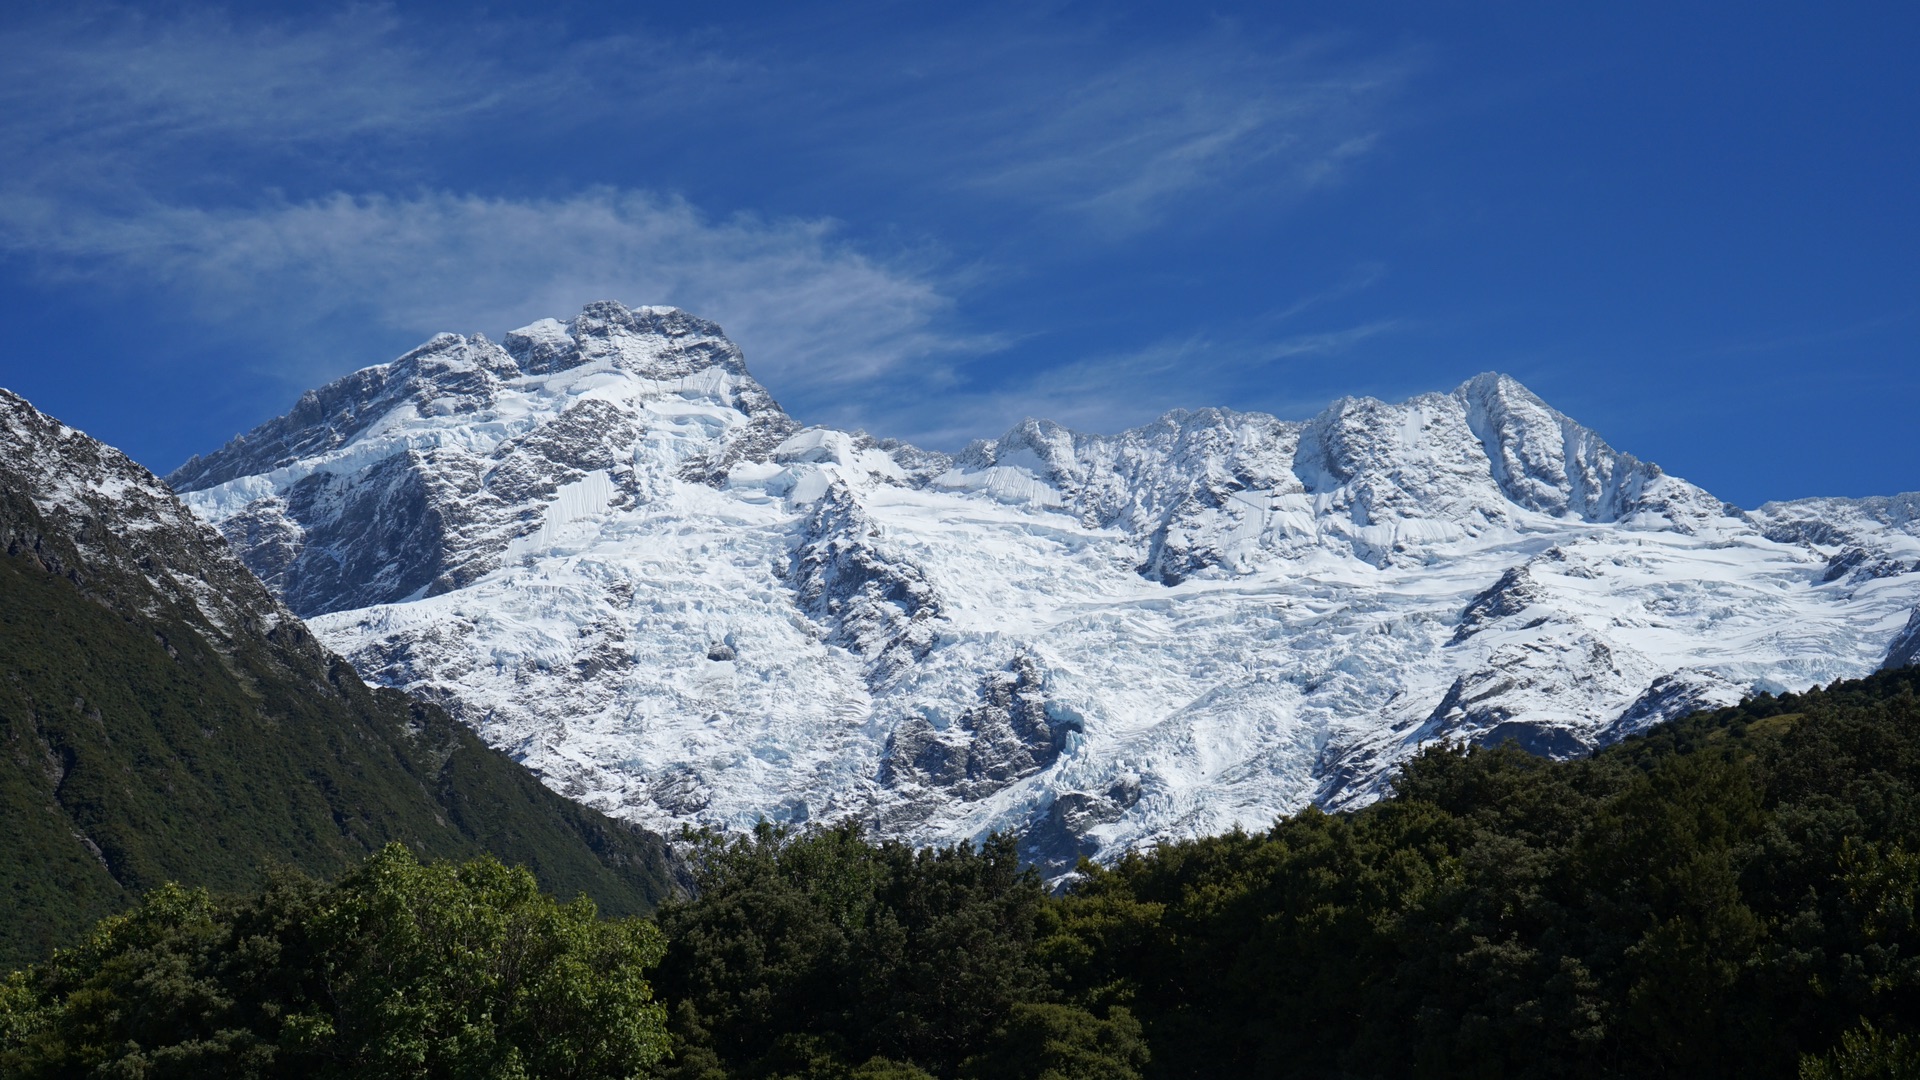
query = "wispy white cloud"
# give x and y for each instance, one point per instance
(106, 73)
(1362, 277)
(114, 98)
(1071, 119)
(811, 311)
(278, 176)
(141, 130)
(1127, 142)
(1329, 342)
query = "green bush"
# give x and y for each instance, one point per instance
(1866, 1053)
(397, 970)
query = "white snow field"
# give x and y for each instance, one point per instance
(605, 547)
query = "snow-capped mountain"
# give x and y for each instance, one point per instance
(604, 545)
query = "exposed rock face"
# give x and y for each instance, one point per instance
(605, 547)
(1065, 835)
(877, 605)
(1008, 736)
(134, 546)
(1668, 698)
(1905, 650)
(1490, 706)
(1514, 593)
(1857, 565)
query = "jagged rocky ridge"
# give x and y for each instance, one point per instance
(607, 548)
(164, 717)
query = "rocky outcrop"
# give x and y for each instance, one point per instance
(1669, 697)
(1503, 700)
(1064, 835)
(1857, 565)
(1515, 592)
(1007, 736)
(1904, 651)
(873, 603)
(87, 512)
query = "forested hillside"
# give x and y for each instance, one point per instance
(1717, 898)
(162, 718)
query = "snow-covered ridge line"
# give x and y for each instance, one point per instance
(606, 546)
(140, 545)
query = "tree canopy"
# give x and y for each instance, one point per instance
(820, 954)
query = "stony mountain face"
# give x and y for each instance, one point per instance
(164, 717)
(609, 550)
(879, 606)
(1905, 650)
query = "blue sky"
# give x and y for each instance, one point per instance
(1693, 227)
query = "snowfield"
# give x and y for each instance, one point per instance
(605, 546)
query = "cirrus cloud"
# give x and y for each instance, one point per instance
(812, 312)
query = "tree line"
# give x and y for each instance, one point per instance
(1733, 894)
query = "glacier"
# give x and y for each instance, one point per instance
(605, 546)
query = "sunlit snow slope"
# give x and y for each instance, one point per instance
(607, 548)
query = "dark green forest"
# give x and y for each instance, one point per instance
(1732, 894)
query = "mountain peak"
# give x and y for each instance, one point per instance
(450, 375)
(1544, 460)
(657, 342)
(1495, 384)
